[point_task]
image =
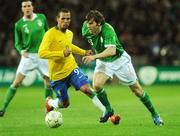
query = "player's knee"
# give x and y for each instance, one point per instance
(97, 87)
(16, 84)
(86, 89)
(137, 90)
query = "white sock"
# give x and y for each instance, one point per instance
(53, 102)
(97, 102)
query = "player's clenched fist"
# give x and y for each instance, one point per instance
(67, 51)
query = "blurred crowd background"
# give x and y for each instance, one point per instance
(148, 29)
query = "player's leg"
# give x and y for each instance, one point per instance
(102, 73)
(99, 80)
(24, 67)
(43, 70)
(145, 99)
(62, 101)
(127, 76)
(86, 89)
(80, 82)
(11, 92)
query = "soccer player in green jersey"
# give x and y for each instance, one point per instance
(29, 31)
(112, 59)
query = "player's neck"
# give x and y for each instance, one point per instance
(61, 29)
(29, 17)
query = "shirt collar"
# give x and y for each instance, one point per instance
(27, 19)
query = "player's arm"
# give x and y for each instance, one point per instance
(74, 48)
(44, 49)
(18, 42)
(109, 44)
(109, 51)
(77, 50)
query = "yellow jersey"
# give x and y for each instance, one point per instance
(52, 46)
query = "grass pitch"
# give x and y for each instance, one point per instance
(25, 114)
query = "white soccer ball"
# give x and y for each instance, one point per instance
(54, 119)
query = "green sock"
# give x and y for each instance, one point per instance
(102, 96)
(145, 99)
(48, 92)
(9, 95)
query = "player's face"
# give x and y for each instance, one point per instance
(64, 20)
(93, 27)
(27, 8)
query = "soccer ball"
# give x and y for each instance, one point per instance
(54, 119)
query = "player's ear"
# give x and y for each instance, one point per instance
(98, 24)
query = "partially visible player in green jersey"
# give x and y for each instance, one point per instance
(29, 31)
(112, 59)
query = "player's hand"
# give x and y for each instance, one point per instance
(88, 59)
(67, 51)
(24, 53)
(89, 52)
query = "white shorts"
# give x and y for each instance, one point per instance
(33, 62)
(121, 67)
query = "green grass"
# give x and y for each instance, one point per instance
(25, 115)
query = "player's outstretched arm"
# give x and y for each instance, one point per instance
(77, 50)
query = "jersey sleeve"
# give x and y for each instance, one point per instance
(44, 49)
(75, 49)
(18, 42)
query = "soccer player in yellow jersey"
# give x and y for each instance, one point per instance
(57, 47)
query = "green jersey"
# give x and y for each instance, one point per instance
(107, 37)
(29, 33)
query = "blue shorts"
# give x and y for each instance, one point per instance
(77, 79)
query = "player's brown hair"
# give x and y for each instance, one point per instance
(96, 15)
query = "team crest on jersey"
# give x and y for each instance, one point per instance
(39, 22)
(26, 30)
(90, 42)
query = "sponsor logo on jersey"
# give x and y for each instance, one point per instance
(25, 27)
